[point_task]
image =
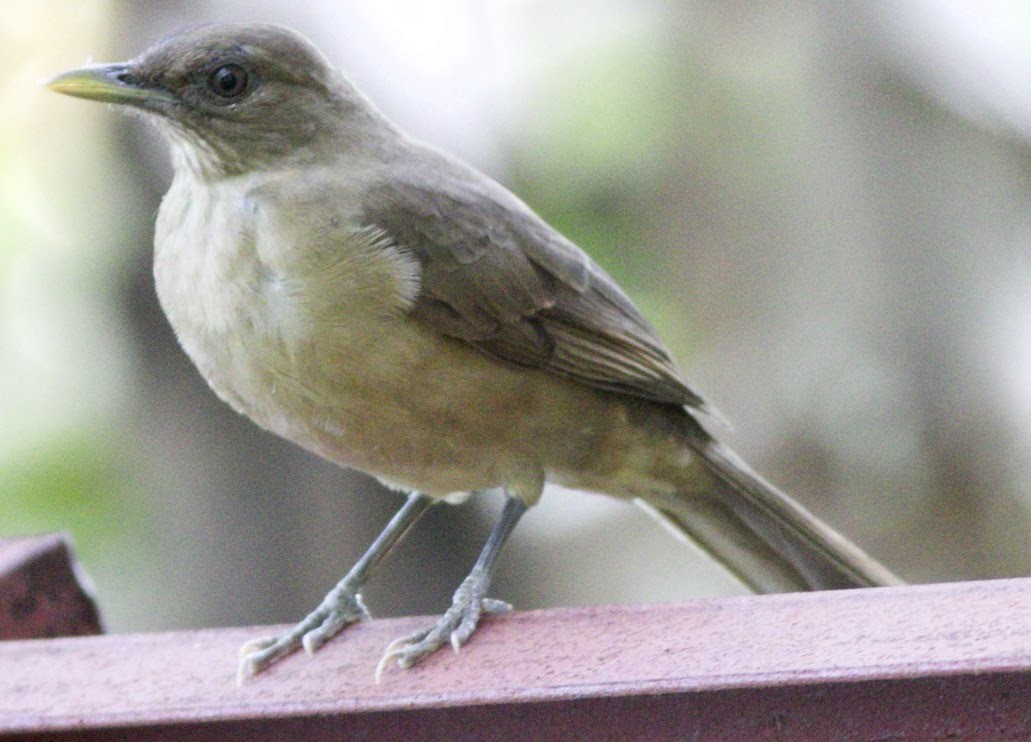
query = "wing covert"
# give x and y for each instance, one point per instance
(498, 277)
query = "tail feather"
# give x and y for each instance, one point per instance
(762, 536)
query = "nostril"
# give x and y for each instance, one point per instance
(122, 76)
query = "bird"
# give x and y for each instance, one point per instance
(390, 308)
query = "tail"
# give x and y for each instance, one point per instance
(766, 539)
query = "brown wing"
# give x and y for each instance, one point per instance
(496, 276)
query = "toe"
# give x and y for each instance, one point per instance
(256, 645)
(330, 627)
(494, 606)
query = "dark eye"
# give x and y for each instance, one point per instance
(228, 81)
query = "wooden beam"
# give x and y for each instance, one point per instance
(926, 662)
(43, 590)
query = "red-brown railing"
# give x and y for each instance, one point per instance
(950, 661)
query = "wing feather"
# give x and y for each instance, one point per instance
(496, 276)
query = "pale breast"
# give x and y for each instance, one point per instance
(251, 287)
(297, 320)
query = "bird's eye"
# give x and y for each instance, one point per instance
(228, 81)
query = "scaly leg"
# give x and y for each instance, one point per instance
(341, 606)
(469, 602)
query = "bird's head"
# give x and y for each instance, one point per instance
(234, 98)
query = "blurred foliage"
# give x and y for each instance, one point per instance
(76, 483)
(583, 145)
(64, 465)
(585, 155)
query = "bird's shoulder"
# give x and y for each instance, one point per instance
(305, 227)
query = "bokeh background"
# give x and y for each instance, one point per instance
(824, 208)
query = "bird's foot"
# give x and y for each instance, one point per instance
(455, 625)
(341, 607)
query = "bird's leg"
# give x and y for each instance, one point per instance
(341, 606)
(459, 621)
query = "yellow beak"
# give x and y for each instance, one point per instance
(108, 83)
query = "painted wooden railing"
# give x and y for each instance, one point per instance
(947, 661)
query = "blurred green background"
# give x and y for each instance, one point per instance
(825, 209)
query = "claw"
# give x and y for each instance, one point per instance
(338, 611)
(343, 604)
(244, 672)
(455, 626)
(382, 665)
(460, 620)
(256, 645)
(495, 606)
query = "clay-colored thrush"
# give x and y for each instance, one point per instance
(392, 309)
